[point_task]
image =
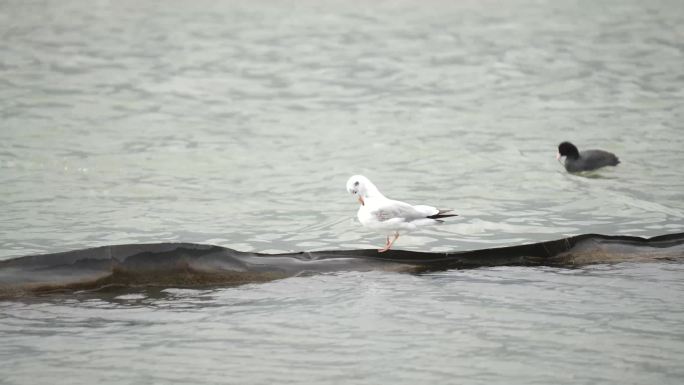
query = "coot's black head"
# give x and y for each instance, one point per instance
(568, 149)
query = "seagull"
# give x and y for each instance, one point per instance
(388, 216)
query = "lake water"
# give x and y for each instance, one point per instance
(237, 123)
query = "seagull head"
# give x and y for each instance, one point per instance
(362, 188)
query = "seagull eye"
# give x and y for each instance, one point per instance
(356, 183)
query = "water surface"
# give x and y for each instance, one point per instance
(237, 124)
(599, 325)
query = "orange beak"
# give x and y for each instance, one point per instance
(361, 201)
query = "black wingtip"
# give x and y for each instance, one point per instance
(443, 214)
(438, 216)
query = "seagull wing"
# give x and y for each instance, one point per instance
(391, 209)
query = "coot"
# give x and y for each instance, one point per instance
(586, 160)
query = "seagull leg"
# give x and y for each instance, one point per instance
(396, 236)
(389, 243)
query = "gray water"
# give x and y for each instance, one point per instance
(237, 123)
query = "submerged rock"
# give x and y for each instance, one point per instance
(196, 265)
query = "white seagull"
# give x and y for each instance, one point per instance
(388, 216)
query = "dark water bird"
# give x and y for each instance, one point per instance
(588, 160)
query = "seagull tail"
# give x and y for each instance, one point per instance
(442, 214)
